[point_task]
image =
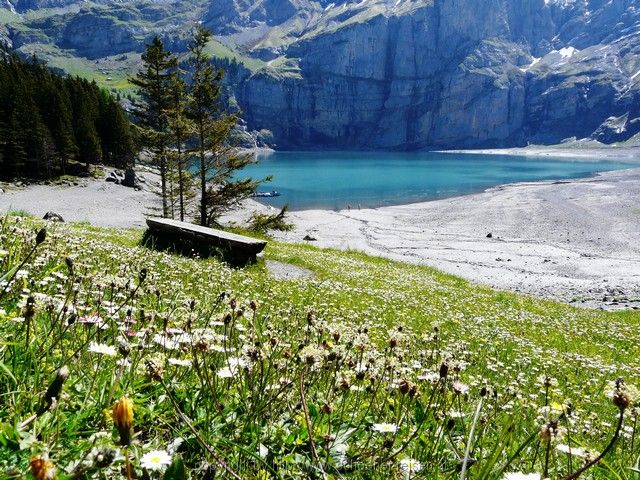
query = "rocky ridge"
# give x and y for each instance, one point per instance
(392, 74)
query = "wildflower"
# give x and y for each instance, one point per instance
(575, 451)
(385, 427)
(263, 451)
(410, 466)
(459, 387)
(522, 476)
(155, 460)
(102, 349)
(123, 419)
(225, 372)
(178, 362)
(42, 469)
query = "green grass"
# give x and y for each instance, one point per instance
(290, 379)
(7, 17)
(219, 50)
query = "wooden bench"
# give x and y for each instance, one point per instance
(236, 248)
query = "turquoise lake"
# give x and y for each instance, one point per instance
(335, 180)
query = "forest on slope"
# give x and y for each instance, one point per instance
(52, 125)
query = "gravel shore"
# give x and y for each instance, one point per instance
(575, 241)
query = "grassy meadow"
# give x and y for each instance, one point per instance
(117, 361)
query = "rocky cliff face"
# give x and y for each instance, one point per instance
(455, 73)
(394, 74)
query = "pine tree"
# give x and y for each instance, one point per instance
(180, 128)
(154, 84)
(217, 160)
(85, 114)
(57, 114)
(117, 139)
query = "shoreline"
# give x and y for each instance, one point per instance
(572, 150)
(575, 241)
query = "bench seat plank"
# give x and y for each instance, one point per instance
(231, 241)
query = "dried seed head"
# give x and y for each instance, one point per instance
(444, 370)
(253, 305)
(326, 409)
(154, 370)
(41, 236)
(404, 387)
(69, 262)
(54, 389)
(123, 420)
(451, 423)
(124, 348)
(105, 457)
(142, 276)
(621, 395)
(30, 309)
(42, 469)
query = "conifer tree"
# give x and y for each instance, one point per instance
(117, 139)
(57, 115)
(154, 84)
(218, 161)
(180, 128)
(85, 115)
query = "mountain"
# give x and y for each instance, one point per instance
(391, 74)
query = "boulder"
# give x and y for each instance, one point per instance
(130, 179)
(53, 217)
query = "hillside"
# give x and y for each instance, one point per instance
(378, 73)
(376, 366)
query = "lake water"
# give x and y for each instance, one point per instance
(334, 180)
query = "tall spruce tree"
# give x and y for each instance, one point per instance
(218, 161)
(84, 103)
(180, 128)
(154, 83)
(117, 138)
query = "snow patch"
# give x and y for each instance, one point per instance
(568, 52)
(531, 65)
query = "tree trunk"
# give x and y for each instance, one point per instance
(163, 181)
(180, 181)
(203, 179)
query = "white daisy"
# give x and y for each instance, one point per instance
(522, 476)
(385, 427)
(102, 349)
(410, 465)
(155, 460)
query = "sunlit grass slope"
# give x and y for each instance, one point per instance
(370, 369)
